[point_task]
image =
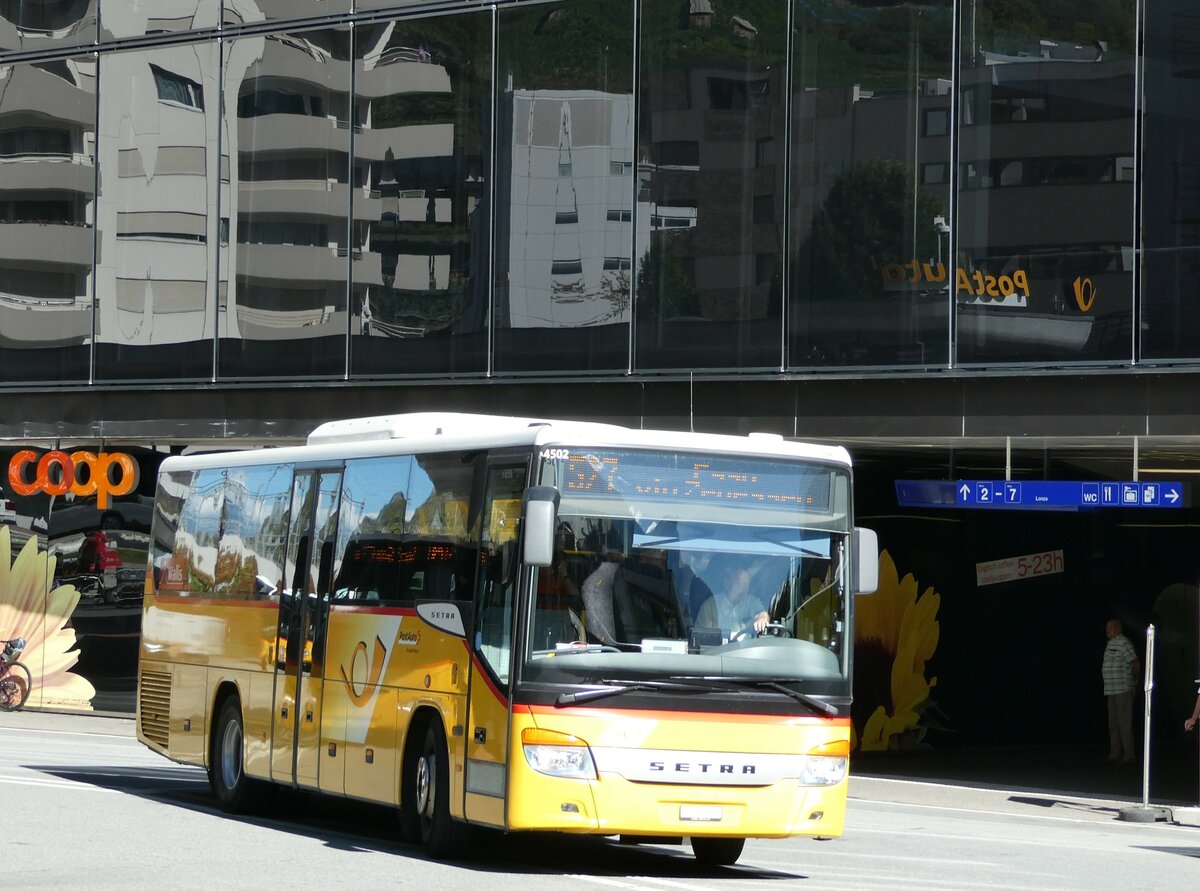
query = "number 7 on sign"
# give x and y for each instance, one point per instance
(1012, 493)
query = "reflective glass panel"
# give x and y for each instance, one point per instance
(1170, 183)
(710, 190)
(247, 12)
(133, 18)
(47, 191)
(1045, 227)
(870, 185)
(421, 228)
(286, 131)
(564, 184)
(159, 227)
(30, 25)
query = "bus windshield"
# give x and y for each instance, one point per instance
(690, 565)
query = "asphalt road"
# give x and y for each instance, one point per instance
(86, 806)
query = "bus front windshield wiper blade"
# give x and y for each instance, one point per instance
(616, 688)
(817, 705)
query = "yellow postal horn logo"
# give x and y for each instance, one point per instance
(360, 693)
(1085, 293)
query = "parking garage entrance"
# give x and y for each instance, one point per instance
(988, 630)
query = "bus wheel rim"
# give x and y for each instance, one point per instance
(425, 769)
(231, 754)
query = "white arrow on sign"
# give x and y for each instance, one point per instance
(964, 491)
(1172, 496)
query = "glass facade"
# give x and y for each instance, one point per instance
(331, 190)
(47, 211)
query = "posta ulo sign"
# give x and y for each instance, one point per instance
(81, 473)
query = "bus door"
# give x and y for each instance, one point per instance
(303, 614)
(495, 609)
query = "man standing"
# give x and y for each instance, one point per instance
(1120, 669)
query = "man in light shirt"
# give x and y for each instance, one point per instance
(1119, 670)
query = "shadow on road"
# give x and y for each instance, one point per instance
(359, 826)
(1064, 804)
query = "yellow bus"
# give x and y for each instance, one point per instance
(513, 623)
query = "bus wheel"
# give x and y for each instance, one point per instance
(426, 801)
(236, 793)
(718, 851)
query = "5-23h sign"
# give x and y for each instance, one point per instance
(82, 473)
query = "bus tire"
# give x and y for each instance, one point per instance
(425, 814)
(717, 851)
(235, 792)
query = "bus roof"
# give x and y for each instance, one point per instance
(451, 431)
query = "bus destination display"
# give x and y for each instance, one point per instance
(696, 478)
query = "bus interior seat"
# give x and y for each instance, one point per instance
(597, 594)
(645, 603)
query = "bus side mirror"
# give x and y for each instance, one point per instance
(866, 549)
(540, 510)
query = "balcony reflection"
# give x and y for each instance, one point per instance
(283, 285)
(32, 25)
(158, 219)
(47, 190)
(420, 215)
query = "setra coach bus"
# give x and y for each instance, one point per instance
(513, 623)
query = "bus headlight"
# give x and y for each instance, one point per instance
(826, 764)
(822, 770)
(558, 754)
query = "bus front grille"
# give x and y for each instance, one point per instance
(154, 707)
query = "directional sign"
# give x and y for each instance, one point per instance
(1038, 494)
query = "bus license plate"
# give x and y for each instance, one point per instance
(701, 813)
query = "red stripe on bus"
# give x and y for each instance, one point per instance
(216, 601)
(487, 678)
(374, 610)
(758, 718)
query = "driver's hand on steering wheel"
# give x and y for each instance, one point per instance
(761, 621)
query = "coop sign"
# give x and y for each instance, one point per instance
(82, 474)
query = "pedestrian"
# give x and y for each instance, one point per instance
(1189, 723)
(1119, 670)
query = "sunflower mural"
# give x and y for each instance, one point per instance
(897, 633)
(28, 610)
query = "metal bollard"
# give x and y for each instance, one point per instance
(1145, 813)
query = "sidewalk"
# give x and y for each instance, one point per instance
(1063, 780)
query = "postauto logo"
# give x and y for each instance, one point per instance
(82, 473)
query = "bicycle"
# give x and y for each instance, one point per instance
(15, 679)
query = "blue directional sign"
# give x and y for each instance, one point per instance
(1038, 494)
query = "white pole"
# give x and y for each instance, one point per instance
(1149, 689)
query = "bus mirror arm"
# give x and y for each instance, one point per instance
(866, 565)
(540, 510)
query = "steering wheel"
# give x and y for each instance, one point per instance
(774, 629)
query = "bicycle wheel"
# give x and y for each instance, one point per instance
(15, 687)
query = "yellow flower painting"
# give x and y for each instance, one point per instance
(28, 610)
(897, 633)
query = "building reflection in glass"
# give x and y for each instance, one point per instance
(31, 25)
(565, 188)
(1045, 237)
(422, 133)
(709, 269)
(286, 129)
(47, 187)
(870, 185)
(248, 12)
(159, 226)
(1170, 183)
(133, 18)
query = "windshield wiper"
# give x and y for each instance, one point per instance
(817, 705)
(616, 688)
